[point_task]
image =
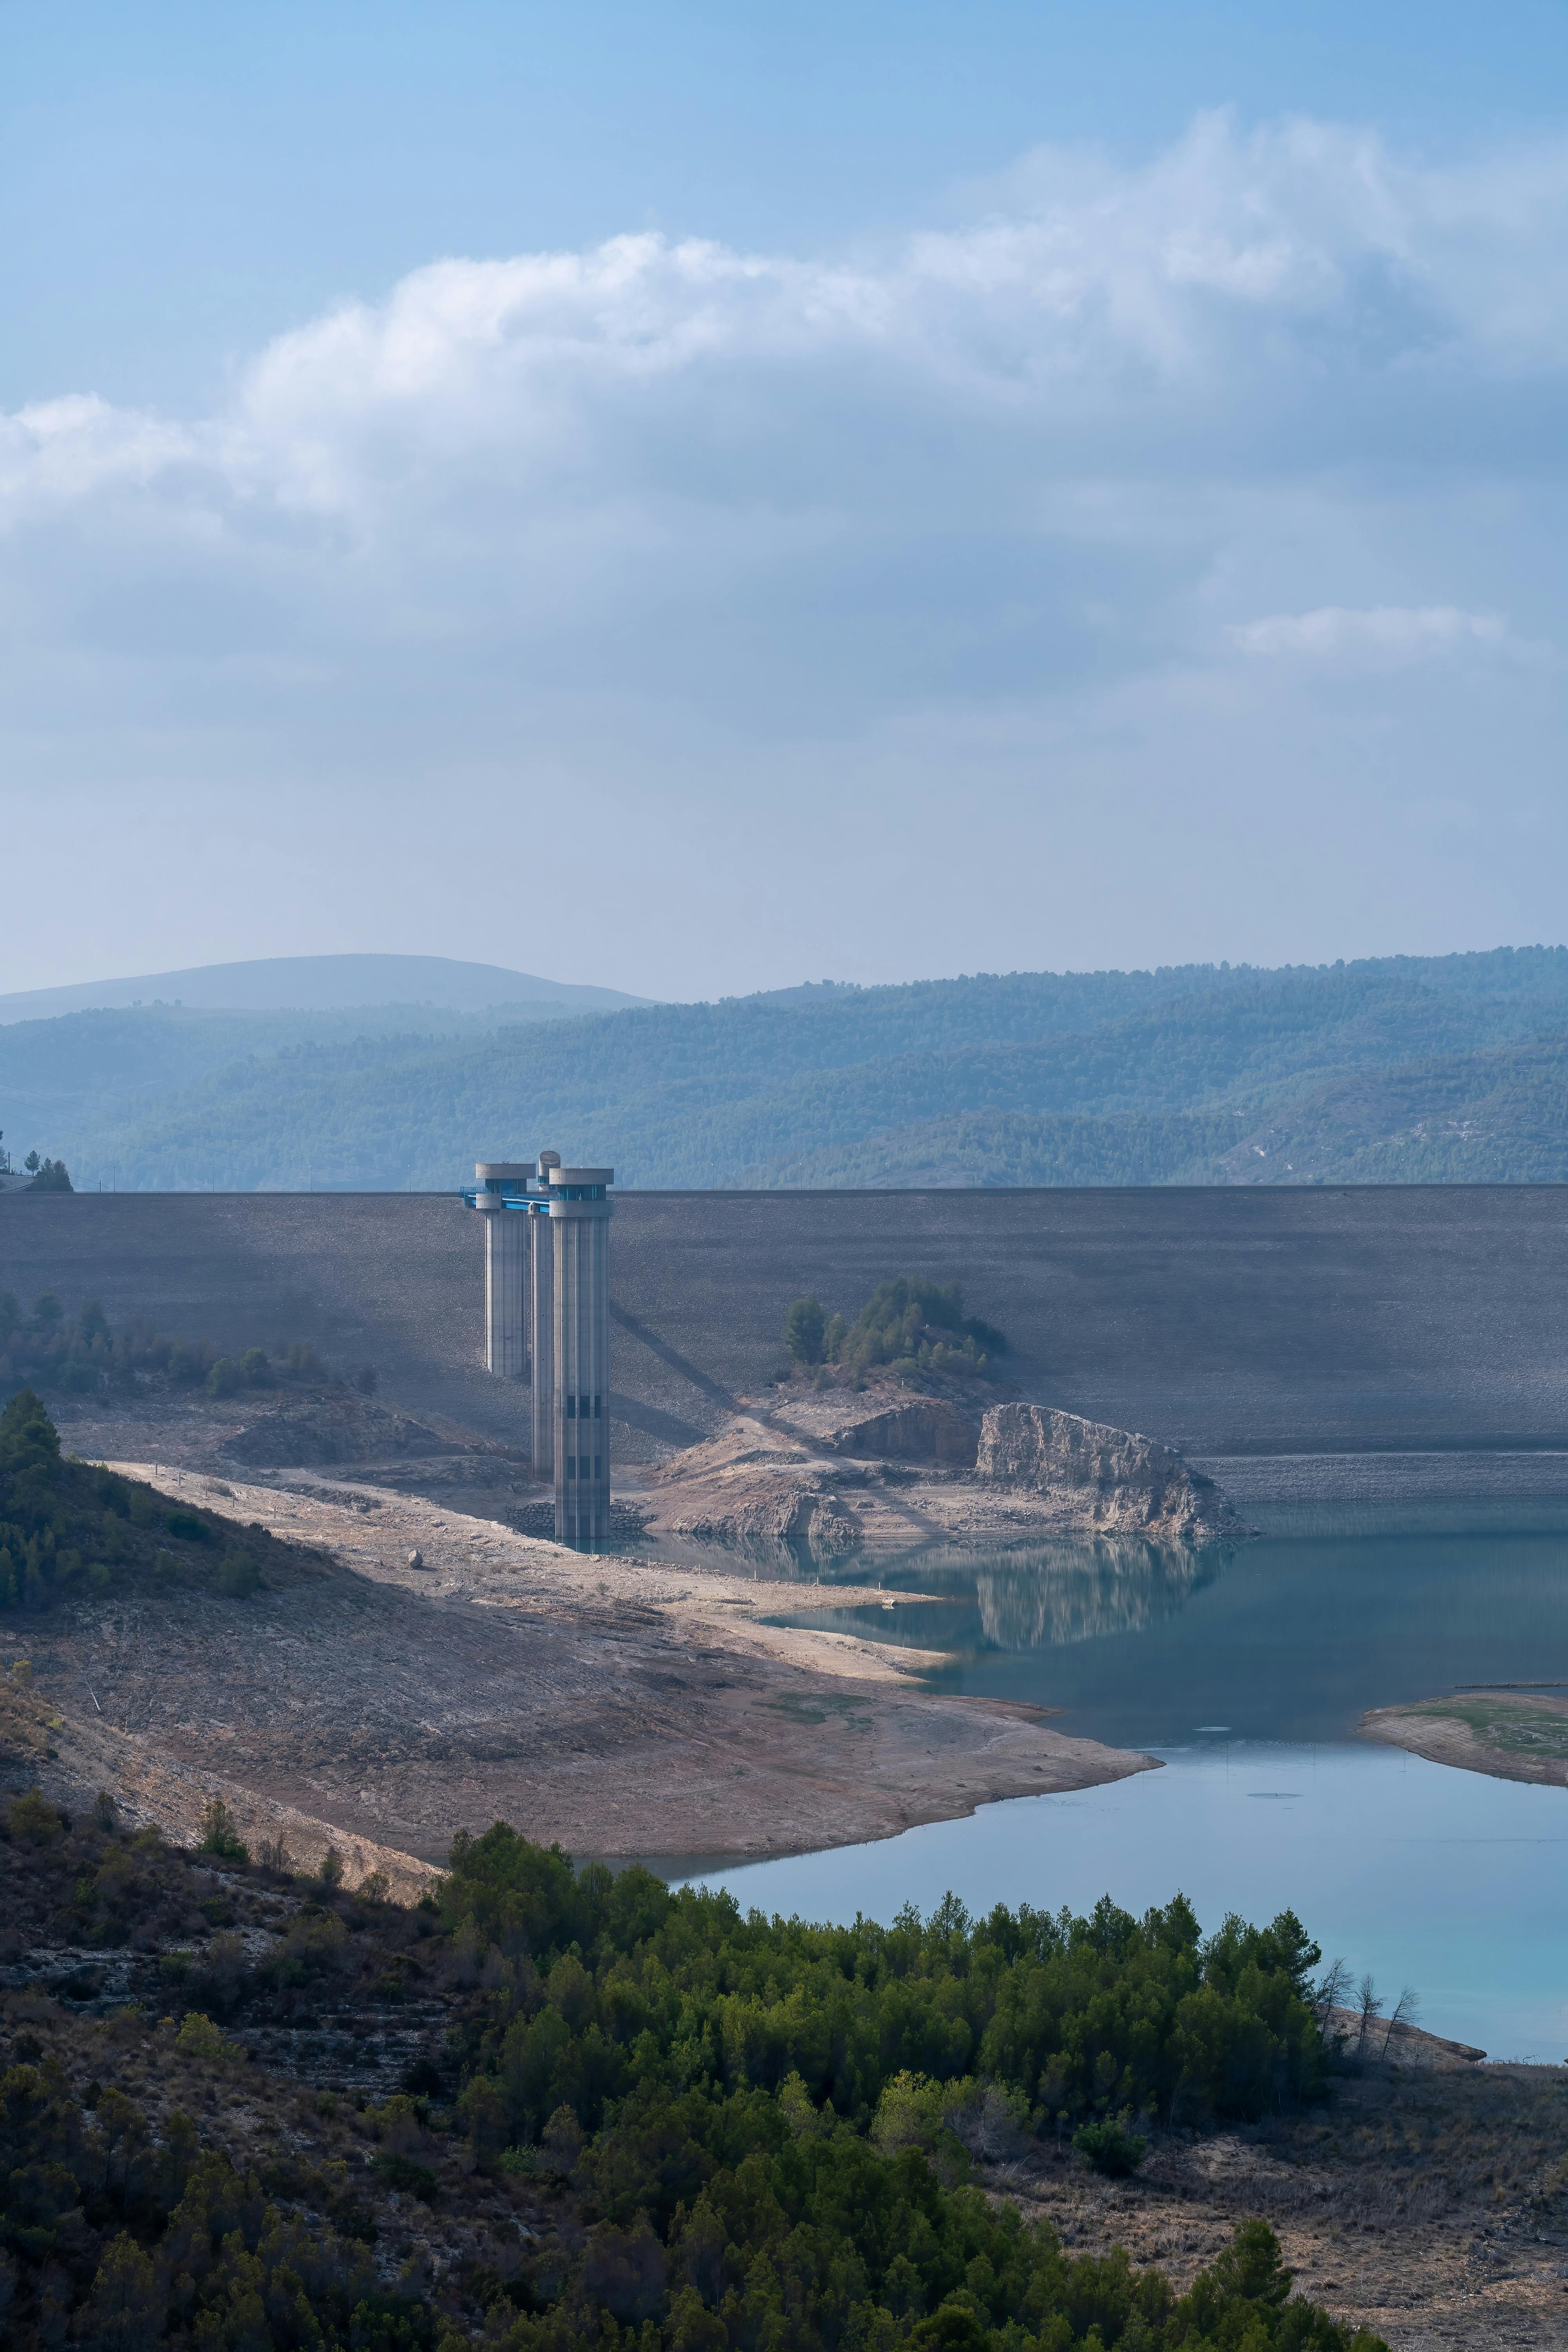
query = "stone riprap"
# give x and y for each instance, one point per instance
(1116, 1481)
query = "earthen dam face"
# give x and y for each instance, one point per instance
(1316, 1343)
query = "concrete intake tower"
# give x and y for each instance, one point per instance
(547, 1311)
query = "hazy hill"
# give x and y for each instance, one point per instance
(1414, 1069)
(320, 984)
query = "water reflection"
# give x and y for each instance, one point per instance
(777, 1560)
(972, 1603)
(1076, 1592)
(1038, 1597)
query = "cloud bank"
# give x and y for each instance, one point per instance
(1082, 510)
(1391, 631)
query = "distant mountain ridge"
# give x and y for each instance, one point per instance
(1397, 1069)
(318, 984)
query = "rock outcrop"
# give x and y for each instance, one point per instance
(797, 1515)
(927, 1429)
(316, 1434)
(1110, 1480)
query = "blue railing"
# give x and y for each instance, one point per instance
(538, 1202)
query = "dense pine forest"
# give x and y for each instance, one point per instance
(622, 2116)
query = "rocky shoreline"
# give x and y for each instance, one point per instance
(833, 1472)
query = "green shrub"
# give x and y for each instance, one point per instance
(482, 2114)
(239, 1575)
(907, 1321)
(33, 1821)
(220, 1834)
(1108, 2148)
(402, 2172)
(188, 1526)
(198, 2037)
(225, 1378)
(806, 1329)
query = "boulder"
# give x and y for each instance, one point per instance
(1111, 1481)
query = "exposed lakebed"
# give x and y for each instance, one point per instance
(1247, 1672)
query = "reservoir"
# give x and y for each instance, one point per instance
(1246, 1672)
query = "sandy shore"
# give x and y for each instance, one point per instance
(621, 1707)
(1512, 1734)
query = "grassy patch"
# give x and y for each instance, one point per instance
(815, 1707)
(1524, 1730)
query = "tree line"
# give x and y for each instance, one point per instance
(754, 2134)
(83, 1355)
(909, 1325)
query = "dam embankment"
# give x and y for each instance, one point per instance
(1308, 1343)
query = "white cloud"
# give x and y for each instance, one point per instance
(1304, 270)
(1396, 632)
(678, 525)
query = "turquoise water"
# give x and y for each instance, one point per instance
(1246, 1675)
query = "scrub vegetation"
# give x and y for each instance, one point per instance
(909, 1325)
(625, 2117)
(69, 1528)
(42, 1346)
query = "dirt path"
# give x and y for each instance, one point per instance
(626, 1709)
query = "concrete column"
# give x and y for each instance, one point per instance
(543, 1254)
(506, 1267)
(580, 1228)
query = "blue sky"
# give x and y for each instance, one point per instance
(867, 491)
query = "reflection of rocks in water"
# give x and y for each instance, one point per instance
(800, 1519)
(1070, 1593)
(779, 1559)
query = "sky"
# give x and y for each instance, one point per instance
(695, 499)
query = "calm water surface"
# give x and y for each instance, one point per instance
(1245, 1674)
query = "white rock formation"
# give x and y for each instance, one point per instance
(1111, 1480)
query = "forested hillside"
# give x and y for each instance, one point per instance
(1402, 1069)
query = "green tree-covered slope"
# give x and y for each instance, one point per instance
(1403, 1069)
